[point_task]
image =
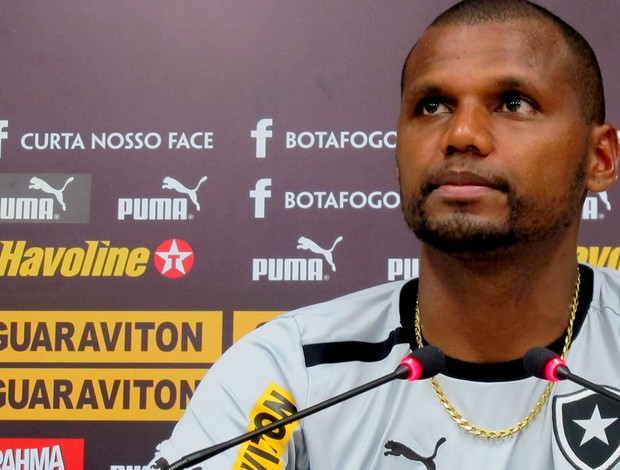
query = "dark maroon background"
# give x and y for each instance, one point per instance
(220, 66)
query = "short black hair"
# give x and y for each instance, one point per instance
(585, 69)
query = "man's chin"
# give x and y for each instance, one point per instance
(463, 242)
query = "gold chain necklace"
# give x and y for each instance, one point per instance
(461, 421)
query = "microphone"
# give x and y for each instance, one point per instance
(422, 363)
(547, 365)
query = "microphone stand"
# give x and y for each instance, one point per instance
(564, 373)
(401, 372)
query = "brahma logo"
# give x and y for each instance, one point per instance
(174, 258)
(297, 269)
(42, 454)
(161, 208)
(44, 198)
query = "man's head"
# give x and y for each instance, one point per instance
(586, 71)
(501, 129)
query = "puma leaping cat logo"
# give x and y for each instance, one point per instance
(307, 244)
(397, 449)
(38, 183)
(171, 183)
(605, 199)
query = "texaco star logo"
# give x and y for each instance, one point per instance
(174, 258)
(587, 429)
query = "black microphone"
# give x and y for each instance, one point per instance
(420, 364)
(547, 365)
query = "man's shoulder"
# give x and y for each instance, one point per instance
(357, 302)
(606, 278)
(605, 290)
(359, 315)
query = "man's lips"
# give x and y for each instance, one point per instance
(450, 191)
(464, 185)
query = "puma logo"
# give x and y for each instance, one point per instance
(307, 244)
(398, 449)
(605, 199)
(38, 183)
(171, 183)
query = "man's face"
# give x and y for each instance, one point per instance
(491, 145)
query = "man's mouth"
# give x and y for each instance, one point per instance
(456, 184)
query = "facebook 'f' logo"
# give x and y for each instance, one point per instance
(3, 133)
(260, 193)
(261, 134)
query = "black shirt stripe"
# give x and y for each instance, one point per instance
(347, 351)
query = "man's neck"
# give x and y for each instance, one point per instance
(495, 309)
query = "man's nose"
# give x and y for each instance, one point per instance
(470, 130)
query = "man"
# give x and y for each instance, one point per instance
(501, 135)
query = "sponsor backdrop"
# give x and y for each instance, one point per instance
(174, 174)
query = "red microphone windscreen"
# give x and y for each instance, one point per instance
(543, 363)
(424, 362)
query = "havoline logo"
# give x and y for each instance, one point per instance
(96, 258)
(41, 198)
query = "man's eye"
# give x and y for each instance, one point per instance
(513, 103)
(430, 107)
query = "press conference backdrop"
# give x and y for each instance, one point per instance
(174, 174)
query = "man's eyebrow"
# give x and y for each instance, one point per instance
(423, 89)
(513, 82)
(434, 89)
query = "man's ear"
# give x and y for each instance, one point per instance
(603, 164)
